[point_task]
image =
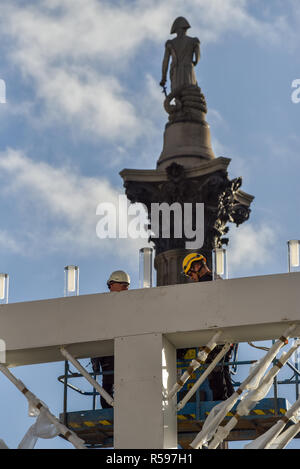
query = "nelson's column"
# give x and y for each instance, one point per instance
(187, 169)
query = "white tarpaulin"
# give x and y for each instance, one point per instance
(42, 428)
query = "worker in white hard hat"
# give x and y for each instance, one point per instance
(118, 281)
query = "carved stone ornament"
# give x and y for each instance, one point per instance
(216, 191)
(186, 104)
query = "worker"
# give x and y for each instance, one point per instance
(195, 267)
(117, 282)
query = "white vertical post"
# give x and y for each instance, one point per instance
(220, 269)
(145, 369)
(294, 255)
(145, 268)
(4, 288)
(71, 280)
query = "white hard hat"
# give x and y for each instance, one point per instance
(119, 276)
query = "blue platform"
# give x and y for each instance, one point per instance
(96, 426)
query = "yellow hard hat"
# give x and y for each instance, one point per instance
(189, 259)
(118, 276)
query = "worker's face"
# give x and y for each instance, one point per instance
(118, 287)
(196, 266)
(195, 270)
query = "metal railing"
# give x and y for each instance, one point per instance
(234, 364)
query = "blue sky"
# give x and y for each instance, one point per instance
(83, 102)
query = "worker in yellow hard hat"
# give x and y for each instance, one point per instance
(194, 267)
(118, 281)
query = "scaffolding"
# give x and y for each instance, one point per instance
(96, 426)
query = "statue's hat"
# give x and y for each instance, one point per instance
(179, 23)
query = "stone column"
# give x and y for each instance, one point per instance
(188, 172)
(168, 267)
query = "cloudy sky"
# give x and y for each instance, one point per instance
(83, 102)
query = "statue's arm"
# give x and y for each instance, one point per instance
(197, 53)
(165, 65)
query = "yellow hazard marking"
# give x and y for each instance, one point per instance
(256, 411)
(190, 354)
(104, 422)
(74, 425)
(190, 385)
(187, 417)
(89, 424)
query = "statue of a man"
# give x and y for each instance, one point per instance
(185, 52)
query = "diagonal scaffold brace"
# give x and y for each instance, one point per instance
(204, 375)
(252, 398)
(86, 375)
(274, 435)
(195, 363)
(220, 411)
(38, 405)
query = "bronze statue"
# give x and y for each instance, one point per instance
(185, 53)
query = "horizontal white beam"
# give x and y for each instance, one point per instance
(246, 309)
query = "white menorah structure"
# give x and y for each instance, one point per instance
(142, 329)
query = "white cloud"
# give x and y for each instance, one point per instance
(250, 247)
(75, 52)
(284, 151)
(94, 103)
(8, 243)
(215, 118)
(59, 209)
